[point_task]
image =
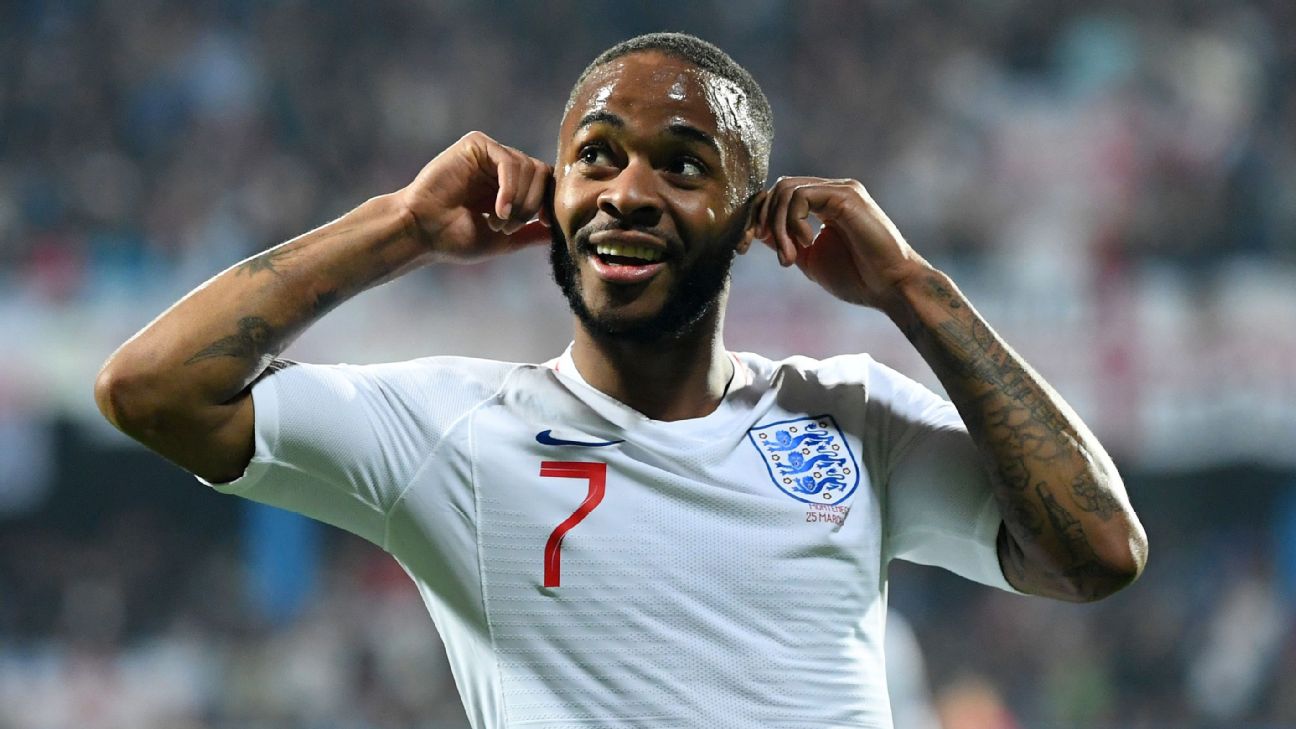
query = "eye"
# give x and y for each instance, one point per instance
(594, 154)
(686, 166)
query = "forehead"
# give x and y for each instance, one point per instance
(652, 90)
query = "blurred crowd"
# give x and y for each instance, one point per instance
(1113, 183)
(140, 134)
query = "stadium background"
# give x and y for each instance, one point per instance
(1114, 184)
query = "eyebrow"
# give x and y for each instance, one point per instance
(676, 128)
(601, 117)
(688, 131)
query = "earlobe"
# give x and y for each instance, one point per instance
(746, 241)
(753, 228)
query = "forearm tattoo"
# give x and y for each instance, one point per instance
(267, 261)
(1038, 454)
(254, 339)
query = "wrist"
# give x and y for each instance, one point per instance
(398, 217)
(400, 239)
(913, 288)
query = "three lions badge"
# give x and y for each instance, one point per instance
(808, 459)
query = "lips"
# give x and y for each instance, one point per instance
(631, 238)
(626, 256)
(613, 272)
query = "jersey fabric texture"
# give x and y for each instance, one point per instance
(587, 566)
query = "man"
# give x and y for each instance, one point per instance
(648, 530)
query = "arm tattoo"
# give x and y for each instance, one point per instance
(1025, 514)
(265, 261)
(1068, 528)
(325, 301)
(1092, 498)
(254, 340)
(982, 357)
(1085, 571)
(943, 293)
(1037, 454)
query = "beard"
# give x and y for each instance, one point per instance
(696, 292)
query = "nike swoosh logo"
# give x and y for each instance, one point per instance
(545, 437)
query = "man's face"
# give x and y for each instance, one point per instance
(650, 200)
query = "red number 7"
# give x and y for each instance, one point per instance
(596, 474)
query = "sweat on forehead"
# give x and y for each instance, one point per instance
(739, 96)
(658, 81)
(651, 82)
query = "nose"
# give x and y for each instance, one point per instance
(631, 197)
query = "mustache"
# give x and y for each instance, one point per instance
(582, 236)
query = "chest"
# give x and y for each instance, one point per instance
(783, 499)
(614, 575)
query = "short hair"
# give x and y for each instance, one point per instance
(707, 57)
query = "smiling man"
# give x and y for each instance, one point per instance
(648, 530)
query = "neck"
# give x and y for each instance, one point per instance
(673, 379)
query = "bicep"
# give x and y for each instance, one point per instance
(225, 453)
(216, 443)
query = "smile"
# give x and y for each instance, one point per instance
(624, 269)
(635, 254)
(626, 256)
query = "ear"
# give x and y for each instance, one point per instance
(753, 227)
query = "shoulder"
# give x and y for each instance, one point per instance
(844, 369)
(441, 380)
(856, 376)
(466, 370)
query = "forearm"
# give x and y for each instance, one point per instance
(214, 342)
(1069, 529)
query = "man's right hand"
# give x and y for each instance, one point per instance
(479, 198)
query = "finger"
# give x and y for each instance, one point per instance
(525, 180)
(533, 203)
(798, 214)
(829, 201)
(507, 172)
(779, 221)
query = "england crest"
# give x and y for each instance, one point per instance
(809, 459)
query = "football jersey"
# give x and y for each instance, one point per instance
(587, 566)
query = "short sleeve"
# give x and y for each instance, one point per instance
(339, 443)
(940, 506)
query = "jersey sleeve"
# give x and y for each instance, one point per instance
(940, 508)
(339, 443)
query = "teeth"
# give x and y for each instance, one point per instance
(641, 252)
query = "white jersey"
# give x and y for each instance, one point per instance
(587, 566)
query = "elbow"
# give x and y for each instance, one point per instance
(1117, 562)
(1133, 557)
(126, 399)
(108, 394)
(1117, 547)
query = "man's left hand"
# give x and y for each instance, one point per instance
(858, 255)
